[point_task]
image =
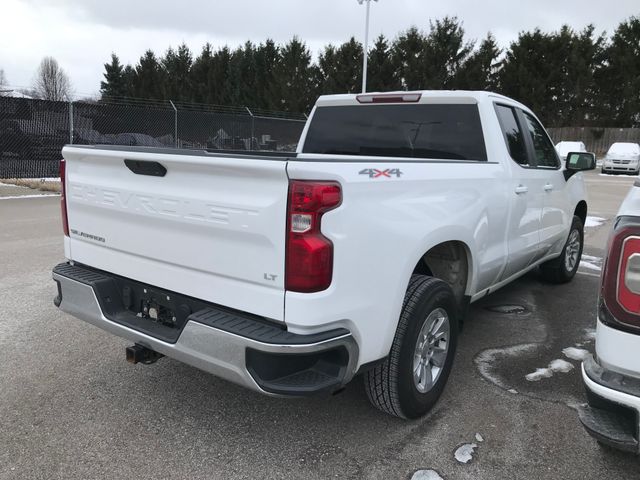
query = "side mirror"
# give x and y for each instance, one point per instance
(580, 161)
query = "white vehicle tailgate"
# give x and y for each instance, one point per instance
(212, 228)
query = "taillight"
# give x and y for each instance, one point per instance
(309, 258)
(620, 290)
(63, 197)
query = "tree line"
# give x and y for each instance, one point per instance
(567, 77)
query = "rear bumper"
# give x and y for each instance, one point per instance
(614, 406)
(239, 348)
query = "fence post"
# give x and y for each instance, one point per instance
(71, 122)
(253, 127)
(175, 115)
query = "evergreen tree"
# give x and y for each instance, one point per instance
(243, 76)
(177, 66)
(220, 78)
(200, 74)
(149, 80)
(480, 70)
(114, 84)
(444, 54)
(566, 77)
(618, 77)
(528, 76)
(267, 56)
(382, 74)
(553, 74)
(340, 68)
(294, 78)
(408, 55)
(129, 79)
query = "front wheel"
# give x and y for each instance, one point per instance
(564, 268)
(411, 379)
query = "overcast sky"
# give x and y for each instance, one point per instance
(82, 34)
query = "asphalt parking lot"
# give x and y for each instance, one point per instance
(71, 407)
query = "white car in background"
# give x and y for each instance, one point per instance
(622, 157)
(612, 378)
(564, 148)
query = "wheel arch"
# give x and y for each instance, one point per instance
(452, 262)
(581, 211)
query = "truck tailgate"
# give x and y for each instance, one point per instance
(213, 227)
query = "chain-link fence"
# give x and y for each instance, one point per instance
(32, 132)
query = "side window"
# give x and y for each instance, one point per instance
(512, 134)
(545, 152)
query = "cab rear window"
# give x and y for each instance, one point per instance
(429, 131)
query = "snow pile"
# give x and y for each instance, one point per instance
(14, 197)
(591, 266)
(560, 366)
(594, 222)
(555, 366)
(539, 374)
(464, 453)
(426, 475)
(575, 353)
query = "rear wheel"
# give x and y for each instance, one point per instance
(412, 378)
(564, 268)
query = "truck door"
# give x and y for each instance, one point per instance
(526, 187)
(556, 206)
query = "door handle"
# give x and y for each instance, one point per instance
(521, 189)
(548, 187)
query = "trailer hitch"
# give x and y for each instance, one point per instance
(140, 354)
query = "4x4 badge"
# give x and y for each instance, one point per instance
(375, 173)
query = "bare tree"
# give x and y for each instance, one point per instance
(52, 82)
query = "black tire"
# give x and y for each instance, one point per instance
(390, 385)
(556, 271)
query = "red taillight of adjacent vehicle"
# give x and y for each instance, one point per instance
(63, 197)
(309, 257)
(620, 290)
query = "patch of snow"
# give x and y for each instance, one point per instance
(13, 197)
(561, 366)
(479, 438)
(590, 258)
(486, 359)
(513, 390)
(539, 374)
(590, 266)
(618, 175)
(464, 453)
(594, 222)
(9, 185)
(590, 333)
(426, 475)
(575, 353)
(587, 274)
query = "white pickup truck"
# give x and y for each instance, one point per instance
(291, 273)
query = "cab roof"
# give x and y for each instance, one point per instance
(423, 97)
